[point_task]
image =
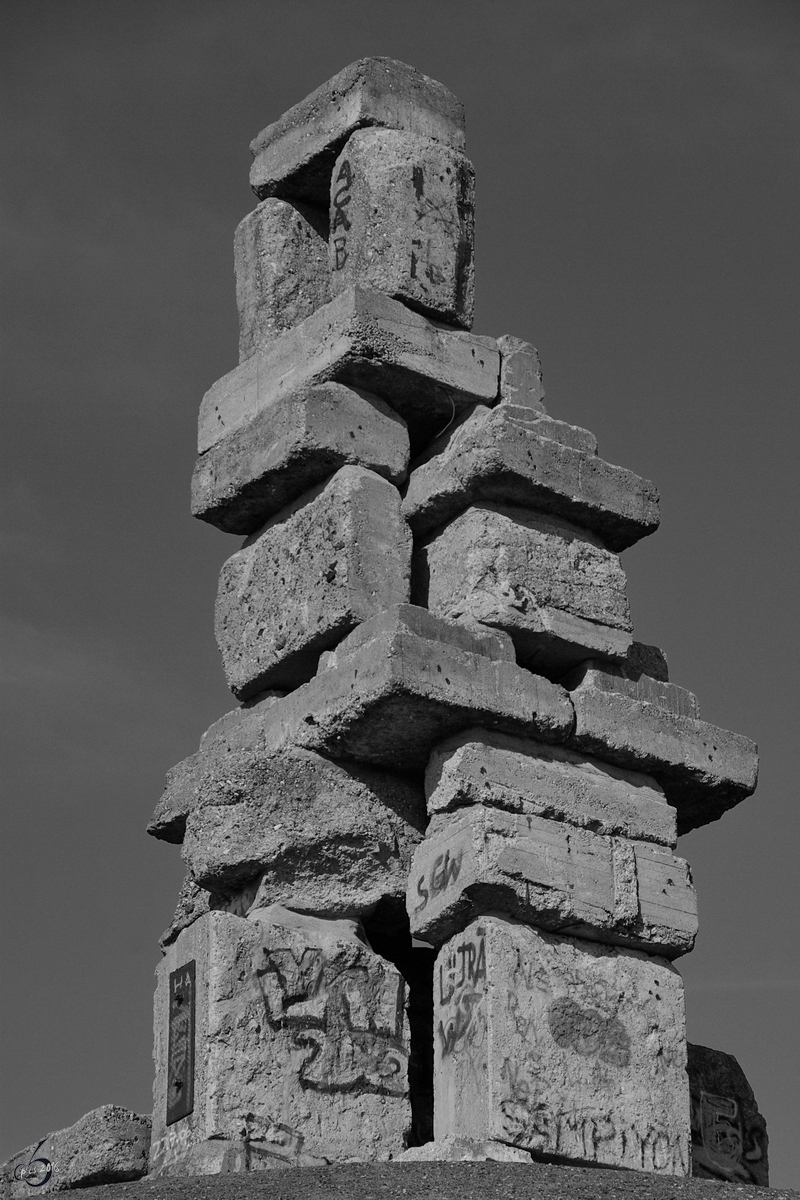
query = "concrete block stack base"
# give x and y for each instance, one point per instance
(432, 896)
(570, 1050)
(300, 1043)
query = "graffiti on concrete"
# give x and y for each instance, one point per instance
(445, 870)
(344, 1022)
(589, 1032)
(582, 1132)
(462, 979)
(723, 1144)
(339, 201)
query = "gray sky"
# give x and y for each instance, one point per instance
(637, 219)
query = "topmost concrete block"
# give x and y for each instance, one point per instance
(293, 157)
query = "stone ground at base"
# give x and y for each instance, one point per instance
(438, 1181)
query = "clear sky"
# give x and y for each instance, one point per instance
(637, 219)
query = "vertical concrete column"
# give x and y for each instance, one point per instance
(568, 1049)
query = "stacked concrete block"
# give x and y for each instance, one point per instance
(290, 447)
(402, 222)
(562, 1048)
(631, 720)
(333, 558)
(279, 259)
(556, 590)
(432, 896)
(353, 339)
(304, 1046)
(541, 871)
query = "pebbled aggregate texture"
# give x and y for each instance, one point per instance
(438, 1181)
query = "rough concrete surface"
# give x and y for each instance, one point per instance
(322, 836)
(402, 221)
(551, 875)
(410, 618)
(729, 1134)
(626, 679)
(555, 589)
(440, 1181)
(107, 1145)
(562, 1047)
(367, 340)
(294, 156)
(316, 833)
(281, 265)
(513, 455)
(193, 902)
(399, 684)
(703, 770)
(392, 699)
(290, 447)
(520, 374)
(524, 776)
(647, 660)
(300, 1042)
(335, 557)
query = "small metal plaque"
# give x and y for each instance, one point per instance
(180, 1064)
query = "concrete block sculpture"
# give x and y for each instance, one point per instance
(432, 894)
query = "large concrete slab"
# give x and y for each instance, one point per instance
(298, 1044)
(324, 837)
(552, 875)
(524, 776)
(513, 455)
(107, 1145)
(402, 221)
(555, 589)
(571, 1050)
(367, 340)
(398, 694)
(400, 684)
(703, 770)
(294, 156)
(729, 1134)
(292, 828)
(281, 265)
(335, 557)
(288, 448)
